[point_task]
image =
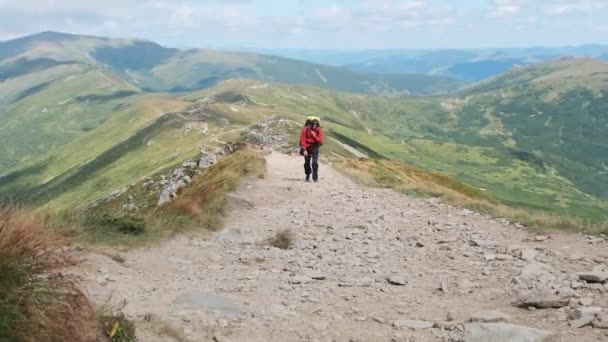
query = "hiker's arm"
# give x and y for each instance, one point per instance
(303, 139)
(319, 136)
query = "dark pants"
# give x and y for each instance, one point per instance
(311, 162)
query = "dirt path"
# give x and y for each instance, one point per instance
(332, 285)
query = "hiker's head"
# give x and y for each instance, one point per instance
(314, 123)
(307, 123)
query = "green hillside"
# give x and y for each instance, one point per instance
(74, 131)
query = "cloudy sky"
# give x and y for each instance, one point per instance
(343, 24)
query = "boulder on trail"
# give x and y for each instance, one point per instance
(593, 276)
(546, 298)
(396, 280)
(502, 332)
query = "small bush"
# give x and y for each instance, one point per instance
(117, 327)
(282, 239)
(124, 224)
(37, 301)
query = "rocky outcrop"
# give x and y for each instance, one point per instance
(270, 132)
(180, 176)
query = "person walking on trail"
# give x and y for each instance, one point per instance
(310, 141)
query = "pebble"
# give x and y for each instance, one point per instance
(413, 324)
(300, 280)
(489, 316)
(396, 280)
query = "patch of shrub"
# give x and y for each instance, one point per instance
(282, 239)
(127, 225)
(117, 327)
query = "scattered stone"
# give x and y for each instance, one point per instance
(316, 275)
(503, 257)
(577, 257)
(581, 313)
(535, 270)
(484, 243)
(600, 322)
(489, 257)
(379, 320)
(336, 317)
(546, 298)
(489, 316)
(593, 276)
(579, 323)
(103, 280)
(465, 286)
(527, 254)
(396, 280)
(413, 324)
(299, 279)
(586, 301)
(502, 332)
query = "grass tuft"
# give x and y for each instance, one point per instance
(283, 239)
(117, 327)
(37, 301)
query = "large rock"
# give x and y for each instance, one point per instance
(397, 280)
(593, 276)
(206, 159)
(546, 298)
(502, 332)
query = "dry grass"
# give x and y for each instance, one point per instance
(202, 204)
(411, 180)
(282, 239)
(37, 301)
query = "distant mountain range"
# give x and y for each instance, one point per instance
(152, 67)
(469, 65)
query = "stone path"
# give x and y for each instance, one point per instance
(366, 265)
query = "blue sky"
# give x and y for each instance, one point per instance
(339, 24)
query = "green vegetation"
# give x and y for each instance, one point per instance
(117, 328)
(200, 205)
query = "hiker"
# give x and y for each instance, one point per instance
(310, 141)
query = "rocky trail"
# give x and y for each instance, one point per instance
(366, 265)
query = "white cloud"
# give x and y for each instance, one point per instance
(182, 17)
(567, 7)
(505, 8)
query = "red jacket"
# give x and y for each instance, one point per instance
(307, 138)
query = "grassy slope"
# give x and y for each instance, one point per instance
(53, 115)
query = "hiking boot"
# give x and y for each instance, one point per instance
(308, 178)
